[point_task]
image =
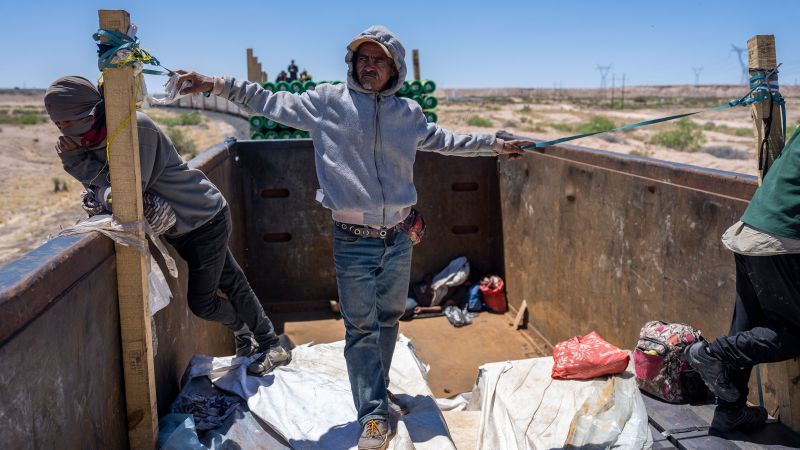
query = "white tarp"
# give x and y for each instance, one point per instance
(522, 407)
(310, 405)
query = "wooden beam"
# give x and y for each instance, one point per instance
(131, 265)
(781, 392)
(415, 54)
(761, 54)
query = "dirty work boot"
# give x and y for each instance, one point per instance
(374, 435)
(267, 361)
(744, 418)
(246, 344)
(714, 372)
(399, 406)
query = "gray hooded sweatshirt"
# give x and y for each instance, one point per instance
(365, 142)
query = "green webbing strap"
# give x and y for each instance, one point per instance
(121, 41)
(762, 87)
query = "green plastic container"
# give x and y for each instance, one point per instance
(418, 99)
(284, 134)
(281, 86)
(271, 134)
(298, 134)
(296, 87)
(270, 124)
(257, 135)
(404, 90)
(428, 86)
(428, 102)
(415, 87)
(309, 85)
(431, 116)
(257, 122)
(270, 86)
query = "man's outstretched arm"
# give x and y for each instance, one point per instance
(299, 111)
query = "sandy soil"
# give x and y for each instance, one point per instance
(33, 211)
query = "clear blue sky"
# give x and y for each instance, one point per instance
(462, 44)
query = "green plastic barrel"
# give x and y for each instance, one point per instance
(284, 134)
(257, 135)
(298, 134)
(428, 102)
(270, 124)
(296, 87)
(270, 86)
(431, 116)
(418, 99)
(309, 85)
(415, 87)
(271, 134)
(404, 90)
(428, 86)
(281, 86)
(336, 82)
(256, 122)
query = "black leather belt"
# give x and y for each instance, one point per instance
(387, 234)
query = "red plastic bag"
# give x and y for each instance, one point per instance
(590, 356)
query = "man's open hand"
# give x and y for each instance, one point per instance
(198, 83)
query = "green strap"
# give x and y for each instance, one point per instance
(121, 41)
(762, 87)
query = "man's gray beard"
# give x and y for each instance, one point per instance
(367, 85)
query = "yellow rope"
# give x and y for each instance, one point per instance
(124, 124)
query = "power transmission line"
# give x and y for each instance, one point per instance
(603, 75)
(697, 71)
(739, 51)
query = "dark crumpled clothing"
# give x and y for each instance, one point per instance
(209, 412)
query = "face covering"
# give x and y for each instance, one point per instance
(76, 98)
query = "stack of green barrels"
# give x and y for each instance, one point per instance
(422, 93)
(263, 128)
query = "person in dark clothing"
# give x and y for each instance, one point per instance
(282, 76)
(292, 71)
(202, 222)
(766, 320)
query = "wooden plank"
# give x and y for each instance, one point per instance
(761, 54)
(131, 266)
(521, 318)
(415, 52)
(250, 65)
(781, 394)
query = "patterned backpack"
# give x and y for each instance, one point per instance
(660, 368)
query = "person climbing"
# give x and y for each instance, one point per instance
(202, 221)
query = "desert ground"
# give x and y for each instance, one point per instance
(35, 204)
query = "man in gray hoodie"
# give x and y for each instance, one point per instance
(365, 139)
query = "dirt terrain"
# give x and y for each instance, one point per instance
(34, 210)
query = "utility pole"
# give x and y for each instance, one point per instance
(415, 61)
(697, 71)
(120, 87)
(622, 104)
(603, 75)
(613, 82)
(761, 56)
(744, 70)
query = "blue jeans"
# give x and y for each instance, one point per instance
(373, 282)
